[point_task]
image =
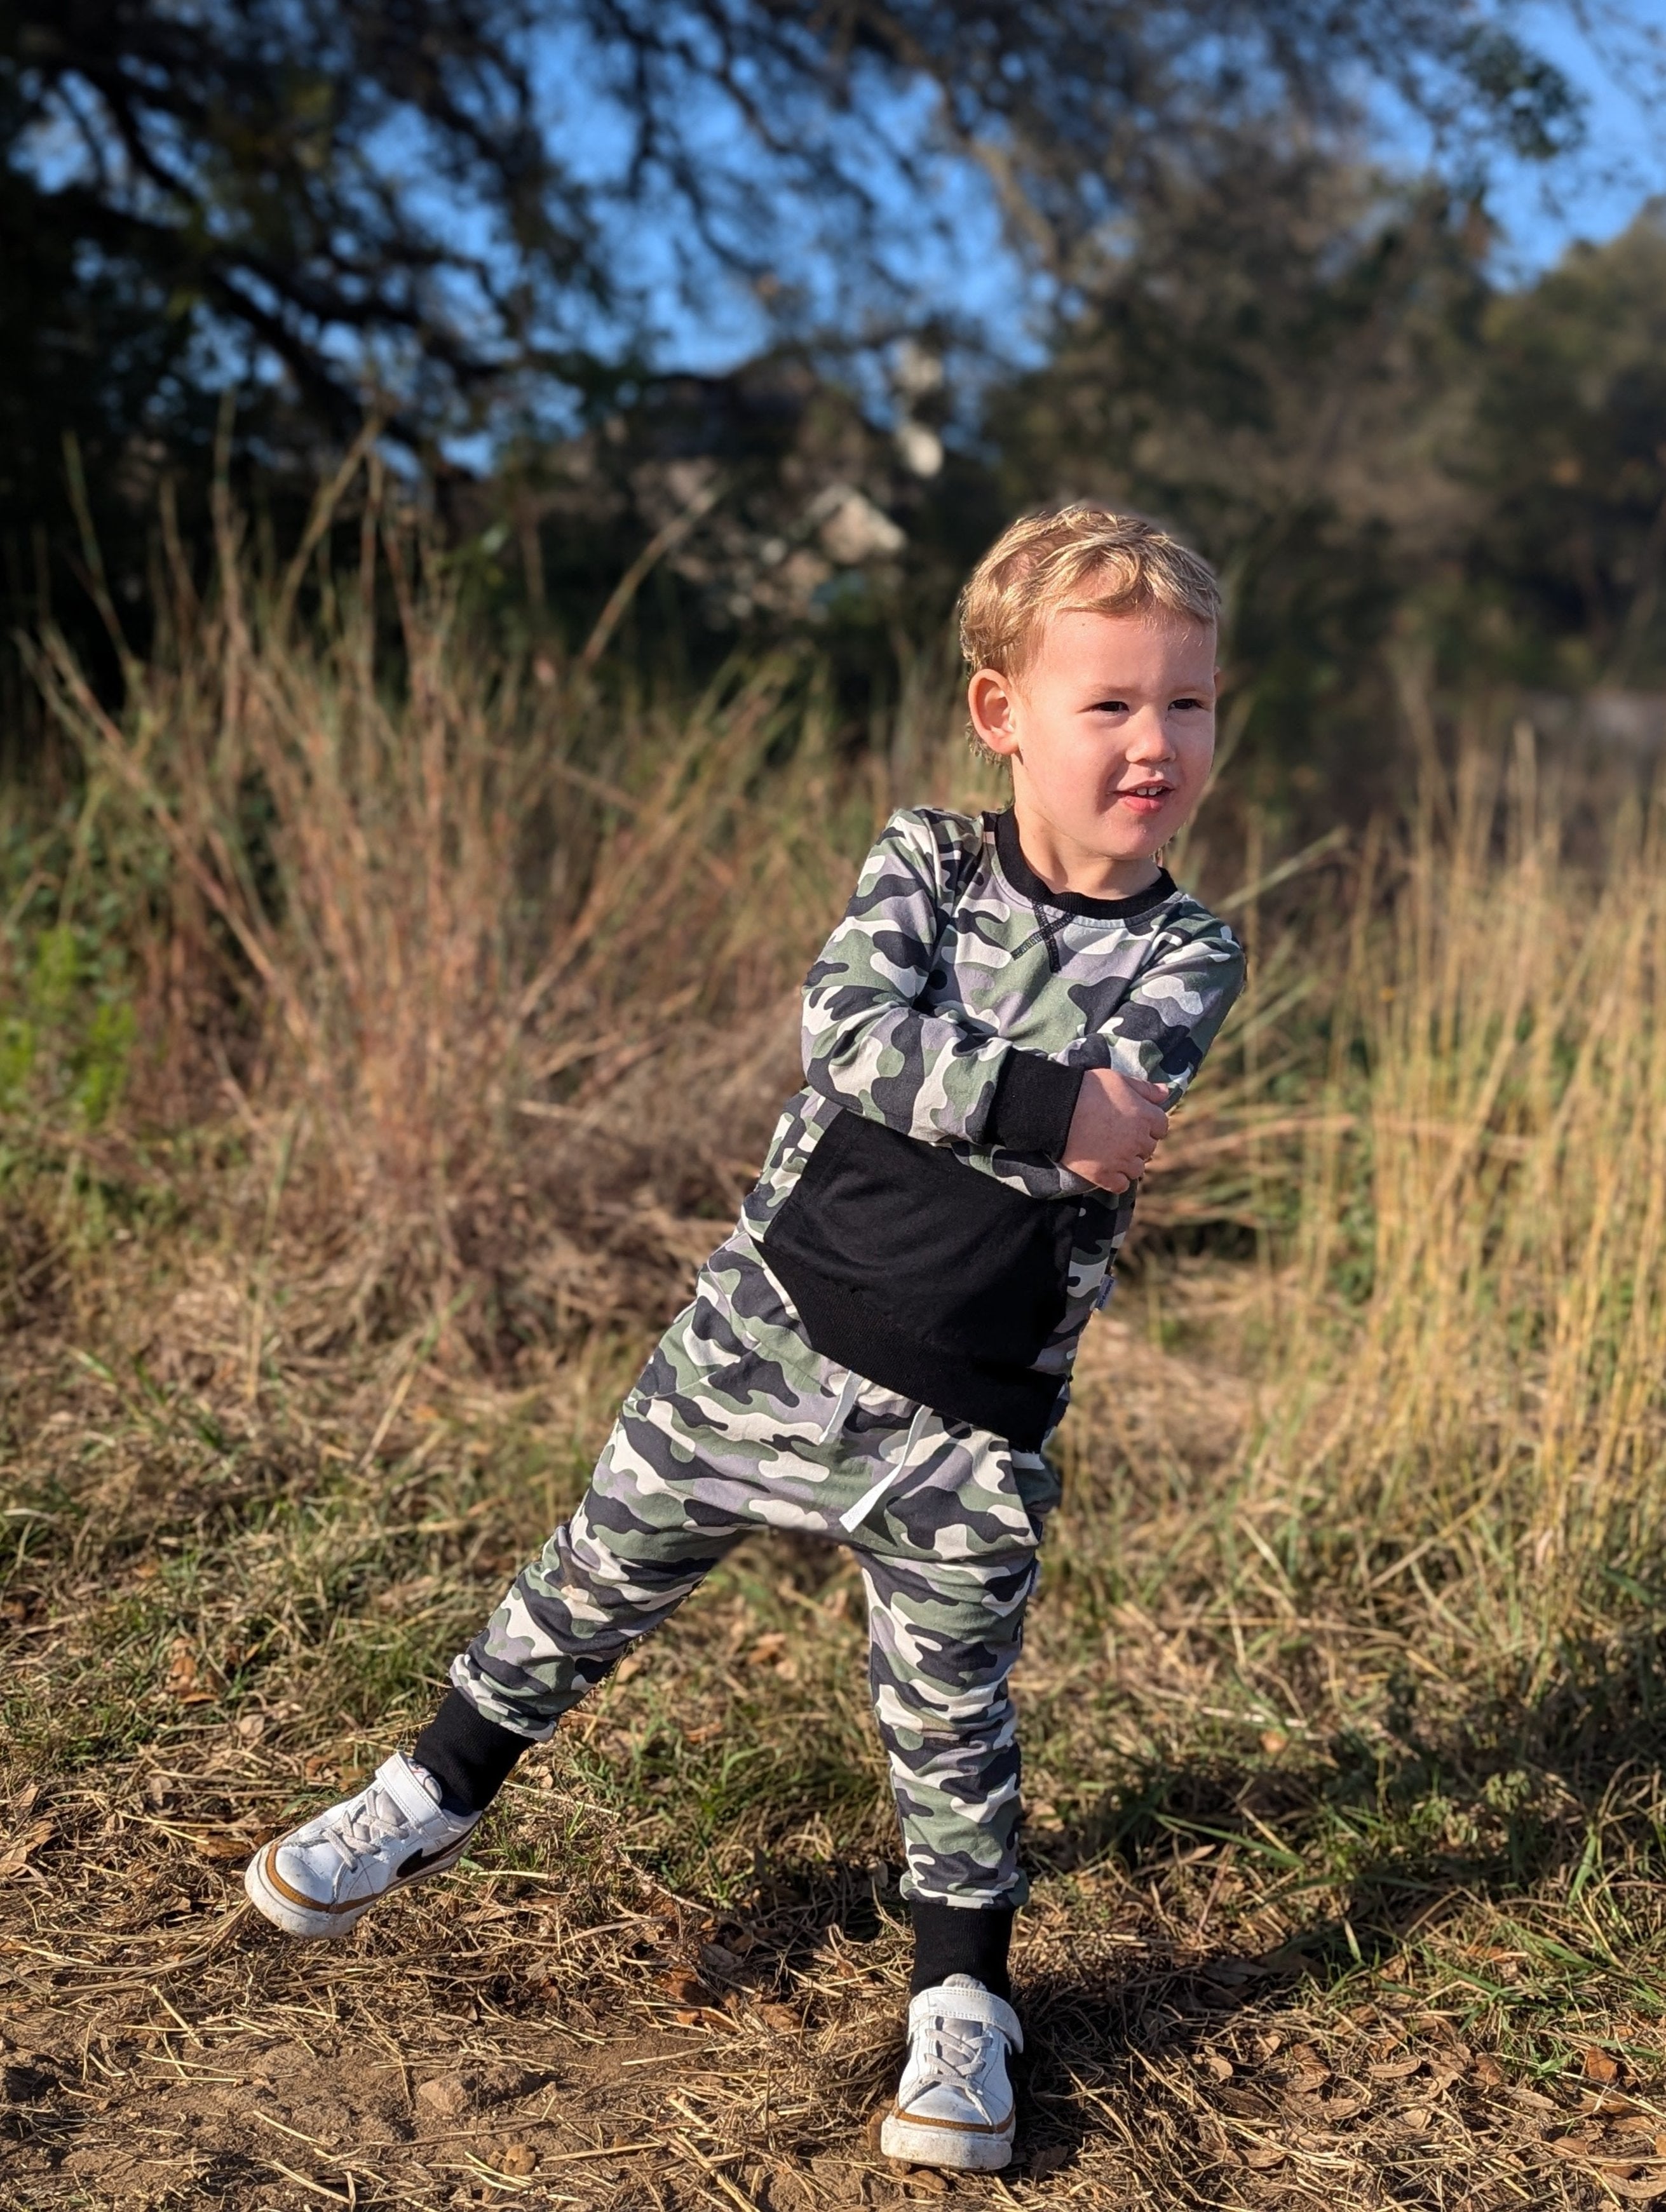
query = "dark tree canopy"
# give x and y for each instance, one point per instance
(447, 198)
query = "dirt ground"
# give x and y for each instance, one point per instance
(557, 2024)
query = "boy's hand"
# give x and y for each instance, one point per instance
(1117, 1124)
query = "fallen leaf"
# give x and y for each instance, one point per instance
(182, 1669)
(782, 2017)
(1345, 2104)
(1637, 2192)
(871, 2129)
(223, 1843)
(15, 1856)
(1393, 2069)
(1218, 2068)
(1610, 2103)
(1488, 2071)
(1273, 1740)
(1046, 2161)
(1246, 2105)
(1580, 2146)
(1599, 2067)
(924, 2183)
(1262, 2157)
(686, 1989)
(768, 1648)
(520, 2158)
(23, 1803)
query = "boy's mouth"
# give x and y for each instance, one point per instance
(1145, 798)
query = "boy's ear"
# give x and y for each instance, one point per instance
(990, 701)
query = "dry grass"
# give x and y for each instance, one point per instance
(454, 1022)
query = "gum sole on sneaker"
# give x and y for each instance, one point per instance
(268, 1892)
(947, 2144)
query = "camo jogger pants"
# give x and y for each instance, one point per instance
(733, 1427)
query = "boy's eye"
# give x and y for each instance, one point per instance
(1111, 706)
(1199, 706)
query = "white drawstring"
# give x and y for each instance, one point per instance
(842, 1405)
(852, 1521)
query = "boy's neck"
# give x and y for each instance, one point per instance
(1065, 865)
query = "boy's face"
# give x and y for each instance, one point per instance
(1110, 730)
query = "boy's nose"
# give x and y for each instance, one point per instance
(1148, 737)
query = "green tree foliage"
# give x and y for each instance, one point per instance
(1568, 464)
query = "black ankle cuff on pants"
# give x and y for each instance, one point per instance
(468, 1756)
(957, 1939)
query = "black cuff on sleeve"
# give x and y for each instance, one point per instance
(1035, 1098)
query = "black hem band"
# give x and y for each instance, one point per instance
(468, 1756)
(958, 1939)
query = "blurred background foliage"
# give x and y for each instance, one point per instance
(773, 313)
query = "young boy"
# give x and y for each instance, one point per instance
(879, 1352)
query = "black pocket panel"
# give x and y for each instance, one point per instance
(900, 1257)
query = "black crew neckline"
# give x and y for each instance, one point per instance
(1024, 880)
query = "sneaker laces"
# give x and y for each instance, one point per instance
(371, 1820)
(957, 2049)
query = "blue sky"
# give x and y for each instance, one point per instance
(1624, 160)
(948, 251)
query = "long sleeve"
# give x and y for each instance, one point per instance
(1174, 1009)
(869, 1046)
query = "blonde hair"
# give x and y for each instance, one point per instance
(1084, 559)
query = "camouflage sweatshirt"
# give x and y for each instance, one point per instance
(913, 1206)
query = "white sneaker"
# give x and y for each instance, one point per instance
(324, 1877)
(954, 2103)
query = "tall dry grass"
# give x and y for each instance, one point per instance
(1464, 1401)
(421, 910)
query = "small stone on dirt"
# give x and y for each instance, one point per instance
(518, 2159)
(444, 2097)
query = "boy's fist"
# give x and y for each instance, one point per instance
(1117, 1124)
